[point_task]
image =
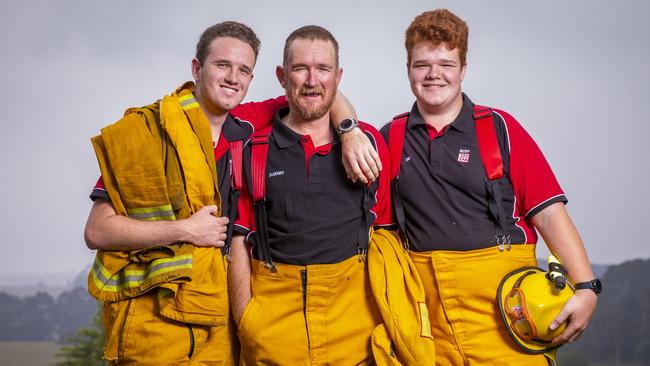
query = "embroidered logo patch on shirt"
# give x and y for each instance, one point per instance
(463, 156)
(275, 174)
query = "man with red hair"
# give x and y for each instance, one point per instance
(465, 231)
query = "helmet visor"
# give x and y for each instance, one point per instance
(520, 320)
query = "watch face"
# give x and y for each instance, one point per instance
(346, 124)
(597, 286)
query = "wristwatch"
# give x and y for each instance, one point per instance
(347, 125)
(593, 285)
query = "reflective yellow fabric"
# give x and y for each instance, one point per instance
(204, 300)
(146, 338)
(191, 137)
(143, 179)
(461, 290)
(158, 163)
(141, 279)
(331, 325)
(400, 296)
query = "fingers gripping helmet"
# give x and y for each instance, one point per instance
(529, 300)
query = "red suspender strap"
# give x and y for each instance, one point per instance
(259, 150)
(236, 154)
(488, 145)
(487, 142)
(396, 143)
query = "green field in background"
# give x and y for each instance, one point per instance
(28, 353)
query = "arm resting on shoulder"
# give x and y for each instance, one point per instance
(239, 277)
(360, 159)
(106, 230)
(563, 240)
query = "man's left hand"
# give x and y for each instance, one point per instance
(578, 312)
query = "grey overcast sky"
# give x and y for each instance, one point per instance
(574, 73)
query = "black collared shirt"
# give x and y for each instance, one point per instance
(314, 212)
(442, 183)
(233, 129)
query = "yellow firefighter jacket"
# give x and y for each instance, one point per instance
(405, 337)
(157, 163)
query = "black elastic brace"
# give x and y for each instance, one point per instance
(233, 201)
(366, 222)
(262, 232)
(398, 208)
(495, 205)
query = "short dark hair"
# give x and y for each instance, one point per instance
(230, 29)
(310, 32)
(438, 26)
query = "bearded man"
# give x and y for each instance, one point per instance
(292, 294)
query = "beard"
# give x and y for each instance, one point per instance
(310, 110)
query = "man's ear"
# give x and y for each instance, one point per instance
(279, 73)
(462, 71)
(339, 75)
(196, 69)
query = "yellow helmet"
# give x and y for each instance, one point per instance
(529, 300)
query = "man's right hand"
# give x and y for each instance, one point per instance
(205, 229)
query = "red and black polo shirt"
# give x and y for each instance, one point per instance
(442, 183)
(314, 211)
(239, 125)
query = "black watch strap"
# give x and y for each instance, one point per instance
(594, 285)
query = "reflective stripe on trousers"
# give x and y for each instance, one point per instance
(309, 315)
(461, 289)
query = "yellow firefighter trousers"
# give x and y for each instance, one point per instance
(461, 290)
(148, 338)
(320, 314)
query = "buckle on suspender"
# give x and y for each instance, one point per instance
(227, 255)
(504, 242)
(362, 254)
(270, 266)
(406, 243)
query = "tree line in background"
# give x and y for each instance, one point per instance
(619, 332)
(620, 329)
(41, 317)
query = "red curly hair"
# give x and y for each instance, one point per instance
(438, 26)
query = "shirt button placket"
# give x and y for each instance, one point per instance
(435, 154)
(314, 169)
